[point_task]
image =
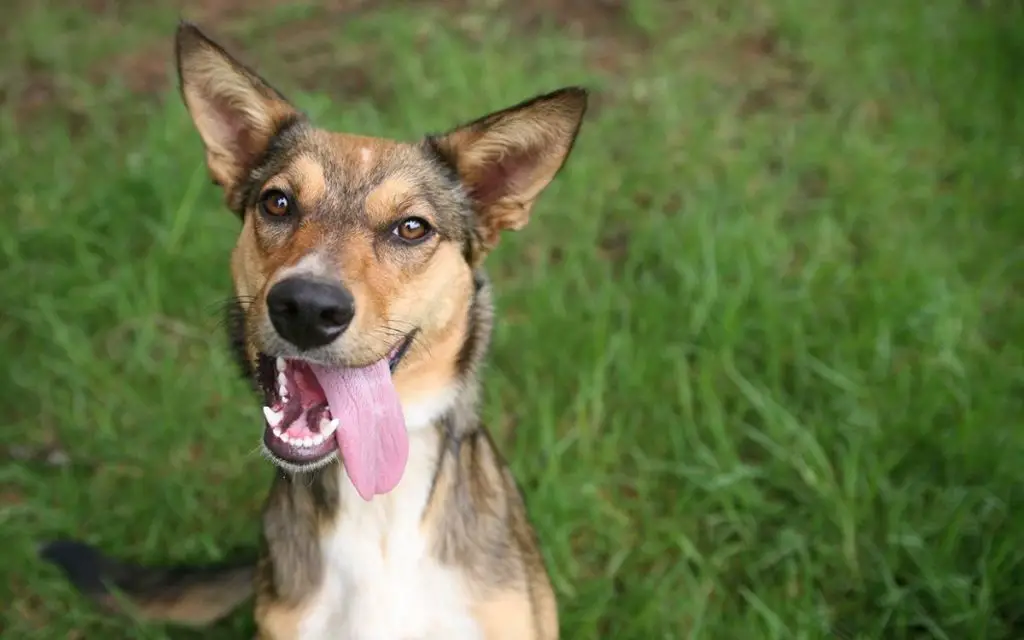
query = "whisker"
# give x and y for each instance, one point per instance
(393, 321)
(227, 303)
(400, 328)
(416, 341)
(228, 309)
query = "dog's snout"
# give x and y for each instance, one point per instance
(310, 313)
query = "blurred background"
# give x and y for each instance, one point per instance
(758, 364)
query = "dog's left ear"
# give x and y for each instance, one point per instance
(507, 158)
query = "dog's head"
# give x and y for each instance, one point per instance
(356, 254)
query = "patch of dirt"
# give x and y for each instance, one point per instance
(613, 245)
(585, 19)
(144, 72)
(32, 86)
(33, 89)
(778, 79)
(611, 38)
(302, 50)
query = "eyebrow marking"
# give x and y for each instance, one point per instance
(389, 197)
(307, 176)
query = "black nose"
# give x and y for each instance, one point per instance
(310, 313)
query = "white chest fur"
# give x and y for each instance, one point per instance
(380, 580)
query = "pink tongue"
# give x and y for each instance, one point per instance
(371, 434)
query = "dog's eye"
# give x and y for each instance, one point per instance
(275, 203)
(412, 229)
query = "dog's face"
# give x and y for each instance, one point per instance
(356, 255)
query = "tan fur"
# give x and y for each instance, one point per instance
(506, 616)
(480, 557)
(427, 369)
(305, 178)
(277, 620)
(396, 195)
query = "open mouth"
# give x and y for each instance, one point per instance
(313, 412)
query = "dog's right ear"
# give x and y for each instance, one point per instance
(236, 112)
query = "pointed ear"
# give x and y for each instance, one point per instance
(507, 158)
(236, 112)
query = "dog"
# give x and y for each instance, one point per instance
(362, 315)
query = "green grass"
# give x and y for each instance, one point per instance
(759, 363)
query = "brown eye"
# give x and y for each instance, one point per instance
(275, 203)
(412, 229)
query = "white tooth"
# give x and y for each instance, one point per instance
(277, 432)
(284, 437)
(334, 425)
(307, 442)
(282, 380)
(318, 439)
(324, 425)
(273, 417)
(280, 365)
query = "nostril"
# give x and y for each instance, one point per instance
(331, 317)
(334, 317)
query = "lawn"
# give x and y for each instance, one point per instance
(759, 365)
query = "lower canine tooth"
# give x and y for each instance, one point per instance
(280, 365)
(327, 427)
(273, 417)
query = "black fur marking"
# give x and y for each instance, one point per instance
(432, 147)
(446, 166)
(83, 565)
(446, 442)
(274, 157)
(235, 323)
(467, 353)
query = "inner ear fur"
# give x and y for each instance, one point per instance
(507, 158)
(235, 111)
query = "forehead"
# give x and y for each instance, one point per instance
(361, 159)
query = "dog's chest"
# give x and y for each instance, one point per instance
(381, 580)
